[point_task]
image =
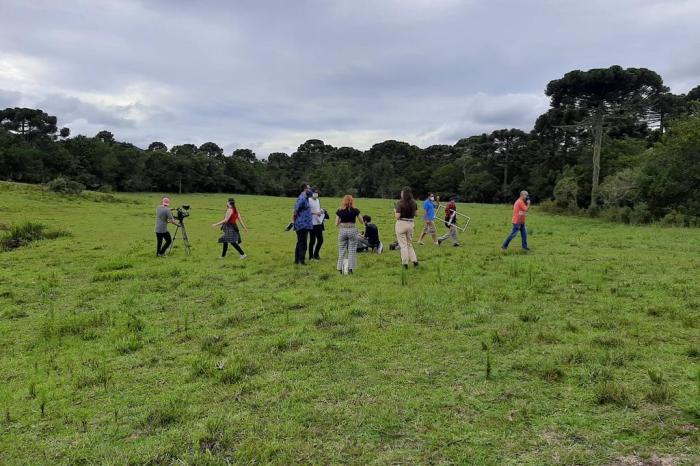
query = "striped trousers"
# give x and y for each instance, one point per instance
(347, 244)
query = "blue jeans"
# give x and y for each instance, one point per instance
(523, 235)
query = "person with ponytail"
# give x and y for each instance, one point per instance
(405, 213)
(232, 234)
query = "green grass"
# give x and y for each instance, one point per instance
(583, 351)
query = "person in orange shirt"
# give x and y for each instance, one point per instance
(520, 209)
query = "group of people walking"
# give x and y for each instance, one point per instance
(308, 220)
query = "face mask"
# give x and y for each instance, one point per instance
(315, 196)
(432, 198)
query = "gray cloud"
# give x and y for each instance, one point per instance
(268, 74)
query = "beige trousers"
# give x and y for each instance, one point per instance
(404, 235)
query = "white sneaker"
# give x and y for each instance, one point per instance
(243, 256)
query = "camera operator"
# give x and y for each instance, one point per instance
(520, 208)
(163, 217)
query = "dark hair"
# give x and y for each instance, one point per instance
(231, 201)
(406, 194)
(304, 186)
(366, 218)
(407, 205)
(316, 189)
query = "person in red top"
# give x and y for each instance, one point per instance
(450, 223)
(229, 226)
(520, 209)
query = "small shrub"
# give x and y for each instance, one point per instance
(64, 186)
(617, 214)
(640, 214)
(677, 219)
(22, 234)
(566, 193)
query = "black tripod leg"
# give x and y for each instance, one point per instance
(185, 241)
(173, 242)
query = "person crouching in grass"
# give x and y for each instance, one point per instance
(345, 218)
(232, 234)
(370, 238)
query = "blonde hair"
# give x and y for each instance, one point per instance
(347, 202)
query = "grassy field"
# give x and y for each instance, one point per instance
(584, 351)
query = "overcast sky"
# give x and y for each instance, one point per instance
(270, 74)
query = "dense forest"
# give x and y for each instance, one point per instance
(614, 142)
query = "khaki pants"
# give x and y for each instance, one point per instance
(404, 235)
(451, 233)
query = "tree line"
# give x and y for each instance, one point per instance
(614, 142)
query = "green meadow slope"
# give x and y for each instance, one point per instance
(585, 351)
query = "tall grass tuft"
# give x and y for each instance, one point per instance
(660, 391)
(21, 234)
(612, 392)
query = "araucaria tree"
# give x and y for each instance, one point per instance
(600, 96)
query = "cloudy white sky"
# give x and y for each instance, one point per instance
(270, 74)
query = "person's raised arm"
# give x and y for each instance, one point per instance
(337, 220)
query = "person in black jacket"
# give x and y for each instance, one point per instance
(370, 238)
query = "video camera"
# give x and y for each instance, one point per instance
(182, 212)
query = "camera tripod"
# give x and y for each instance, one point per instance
(185, 241)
